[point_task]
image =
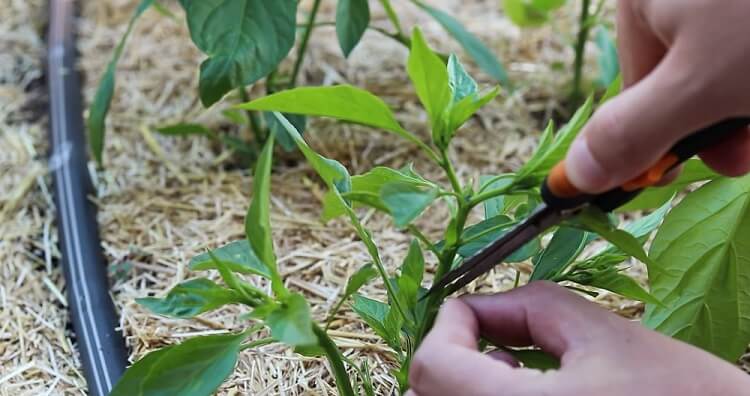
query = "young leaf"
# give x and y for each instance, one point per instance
(609, 65)
(131, 382)
(258, 221)
(191, 298)
(360, 278)
(484, 233)
(291, 322)
(196, 367)
(613, 90)
(526, 13)
(567, 243)
(539, 166)
(342, 102)
(619, 283)
(461, 84)
(694, 171)
(373, 313)
(406, 201)
(366, 190)
(186, 129)
(412, 271)
(429, 75)
(352, 19)
(104, 92)
(597, 221)
(461, 112)
(702, 266)
(244, 40)
(643, 227)
(479, 52)
(237, 256)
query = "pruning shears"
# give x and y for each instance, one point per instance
(562, 201)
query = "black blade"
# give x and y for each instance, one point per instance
(495, 253)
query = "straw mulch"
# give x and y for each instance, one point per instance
(37, 353)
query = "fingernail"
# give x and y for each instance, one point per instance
(583, 170)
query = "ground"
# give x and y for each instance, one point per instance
(159, 207)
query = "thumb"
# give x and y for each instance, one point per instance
(634, 130)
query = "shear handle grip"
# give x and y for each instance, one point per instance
(559, 192)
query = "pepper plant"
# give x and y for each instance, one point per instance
(450, 97)
(245, 41)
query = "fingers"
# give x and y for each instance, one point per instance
(731, 157)
(448, 363)
(639, 49)
(545, 315)
(633, 130)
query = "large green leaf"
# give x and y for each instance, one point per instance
(694, 171)
(375, 314)
(104, 92)
(479, 52)
(342, 102)
(197, 367)
(131, 382)
(352, 19)
(238, 256)
(702, 269)
(291, 322)
(258, 218)
(429, 75)
(191, 298)
(244, 40)
(566, 244)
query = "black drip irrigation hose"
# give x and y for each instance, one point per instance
(101, 346)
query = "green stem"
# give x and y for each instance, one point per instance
(336, 360)
(494, 180)
(446, 164)
(303, 44)
(252, 121)
(393, 16)
(580, 47)
(333, 313)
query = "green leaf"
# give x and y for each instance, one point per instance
(237, 256)
(488, 231)
(282, 136)
(412, 271)
(461, 84)
(565, 246)
(244, 40)
(609, 65)
(527, 13)
(479, 52)
(186, 129)
(406, 201)
(702, 269)
(360, 278)
(643, 227)
(461, 112)
(352, 19)
(429, 75)
(191, 298)
(540, 165)
(342, 102)
(613, 90)
(373, 312)
(131, 382)
(597, 221)
(196, 367)
(694, 171)
(291, 322)
(366, 190)
(258, 220)
(619, 283)
(104, 92)
(494, 207)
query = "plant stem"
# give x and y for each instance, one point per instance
(422, 238)
(252, 121)
(336, 360)
(446, 164)
(580, 47)
(393, 16)
(303, 44)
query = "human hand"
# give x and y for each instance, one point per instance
(685, 66)
(601, 353)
